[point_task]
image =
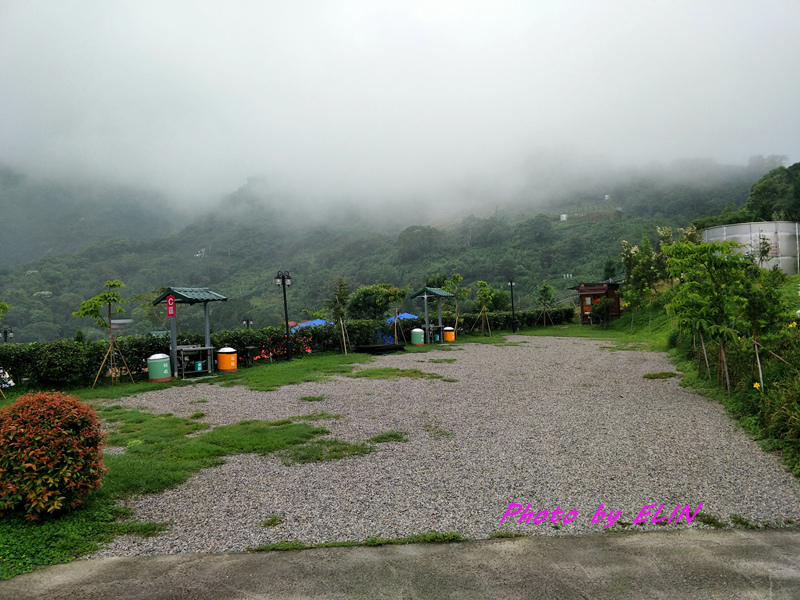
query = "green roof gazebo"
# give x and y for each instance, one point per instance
(431, 292)
(185, 295)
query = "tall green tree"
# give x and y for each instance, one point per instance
(712, 292)
(369, 302)
(775, 197)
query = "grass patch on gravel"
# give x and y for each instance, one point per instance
(272, 521)
(497, 535)
(323, 450)
(660, 375)
(393, 374)
(389, 436)
(312, 398)
(435, 432)
(269, 377)
(106, 391)
(742, 522)
(441, 360)
(431, 537)
(158, 455)
(710, 520)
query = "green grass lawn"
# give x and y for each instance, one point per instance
(646, 333)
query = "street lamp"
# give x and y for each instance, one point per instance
(284, 279)
(8, 334)
(513, 315)
(247, 322)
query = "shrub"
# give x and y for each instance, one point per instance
(601, 311)
(50, 455)
(62, 362)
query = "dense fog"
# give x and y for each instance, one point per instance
(356, 102)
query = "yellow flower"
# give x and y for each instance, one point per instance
(756, 385)
(793, 324)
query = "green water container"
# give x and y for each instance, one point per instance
(417, 337)
(158, 368)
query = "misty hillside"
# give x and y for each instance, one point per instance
(42, 217)
(237, 248)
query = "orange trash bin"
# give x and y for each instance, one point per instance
(226, 360)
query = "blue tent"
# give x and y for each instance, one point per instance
(309, 323)
(402, 316)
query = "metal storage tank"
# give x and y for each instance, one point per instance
(783, 236)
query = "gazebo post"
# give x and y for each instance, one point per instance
(208, 324)
(427, 322)
(173, 344)
(208, 339)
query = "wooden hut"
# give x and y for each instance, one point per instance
(591, 293)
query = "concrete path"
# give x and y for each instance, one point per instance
(689, 563)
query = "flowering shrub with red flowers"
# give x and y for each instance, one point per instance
(50, 454)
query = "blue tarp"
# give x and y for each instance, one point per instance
(402, 316)
(310, 323)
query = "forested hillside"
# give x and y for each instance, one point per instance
(237, 248)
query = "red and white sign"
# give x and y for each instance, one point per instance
(170, 306)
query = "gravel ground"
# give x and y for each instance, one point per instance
(551, 422)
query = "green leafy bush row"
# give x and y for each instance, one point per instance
(65, 362)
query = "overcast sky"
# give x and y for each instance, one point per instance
(376, 98)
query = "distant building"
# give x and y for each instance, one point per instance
(591, 293)
(783, 238)
(563, 217)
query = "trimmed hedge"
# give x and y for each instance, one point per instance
(65, 362)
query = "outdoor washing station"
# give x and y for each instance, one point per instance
(189, 360)
(433, 333)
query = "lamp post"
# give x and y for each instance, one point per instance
(284, 279)
(513, 314)
(247, 322)
(8, 334)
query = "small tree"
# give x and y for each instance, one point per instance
(484, 292)
(393, 296)
(601, 311)
(459, 293)
(642, 274)
(337, 306)
(109, 302)
(545, 298)
(3, 309)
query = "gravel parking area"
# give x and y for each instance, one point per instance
(550, 422)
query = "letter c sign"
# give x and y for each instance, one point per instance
(170, 306)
